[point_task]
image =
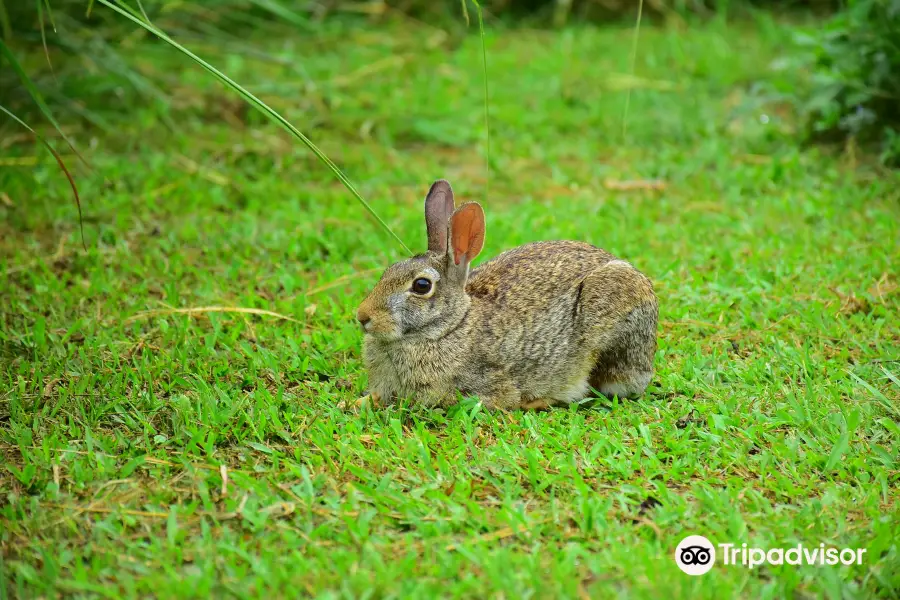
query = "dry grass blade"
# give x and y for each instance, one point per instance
(223, 472)
(340, 280)
(58, 254)
(18, 161)
(387, 62)
(150, 460)
(639, 184)
(206, 173)
(121, 511)
(493, 536)
(208, 309)
(633, 82)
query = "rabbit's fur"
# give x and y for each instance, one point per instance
(538, 325)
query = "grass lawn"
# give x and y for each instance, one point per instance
(203, 455)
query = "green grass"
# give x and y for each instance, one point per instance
(773, 419)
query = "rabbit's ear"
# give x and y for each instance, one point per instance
(467, 232)
(438, 208)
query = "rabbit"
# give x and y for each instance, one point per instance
(535, 327)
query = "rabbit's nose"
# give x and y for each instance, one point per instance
(364, 320)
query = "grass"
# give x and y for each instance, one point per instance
(196, 454)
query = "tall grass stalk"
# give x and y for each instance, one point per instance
(5, 25)
(60, 162)
(634, 49)
(261, 106)
(6, 53)
(487, 124)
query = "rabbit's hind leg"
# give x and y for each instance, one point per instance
(619, 315)
(625, 368)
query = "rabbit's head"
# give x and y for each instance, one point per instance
(425, 296)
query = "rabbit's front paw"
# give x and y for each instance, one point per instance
(539, 405)
(372, 399)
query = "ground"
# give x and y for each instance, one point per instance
(148, 450)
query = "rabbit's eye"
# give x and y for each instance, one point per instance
(421, 286)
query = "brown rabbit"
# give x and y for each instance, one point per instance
(538, 325)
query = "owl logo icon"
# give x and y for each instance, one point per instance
(695, 555)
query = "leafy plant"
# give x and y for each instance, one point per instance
(855, 60)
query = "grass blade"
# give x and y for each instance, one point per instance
(892, 377)
(262, 107)
(40, 12)
(634, 49)
(62, 165)
(36, 96)
(487, 125)
(840, 447)
(876, 394)
(143, 12)
(50, 16)
(5, 26)
(282, 12)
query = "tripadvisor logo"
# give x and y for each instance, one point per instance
(696, 555)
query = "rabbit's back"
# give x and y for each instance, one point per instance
(533, 274)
